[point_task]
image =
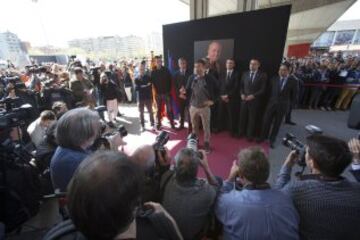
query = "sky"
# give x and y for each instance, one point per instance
(54, 22)
(352, 13)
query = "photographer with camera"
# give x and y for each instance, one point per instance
(107, 187)
(186, 197)
(81, 88)
(108, 91)
(328, 204)
(76, 132)
(247, 206)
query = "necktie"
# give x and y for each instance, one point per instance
(281, 83)
(252, 77)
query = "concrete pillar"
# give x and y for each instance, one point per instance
(247, 5)
(198, 9)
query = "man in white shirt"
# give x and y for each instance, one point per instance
(38, 128)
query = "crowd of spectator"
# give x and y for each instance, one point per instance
(327, 83)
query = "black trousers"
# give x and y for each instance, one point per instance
(288, 113)
(160, 100)
(249, 112)
(228, 116)
(214, 124)
(148, 104)
(274, 115)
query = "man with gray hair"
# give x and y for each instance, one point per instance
(187, 198)
(249, 208)
(75, 133)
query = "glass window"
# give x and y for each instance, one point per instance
(325, 40)
(344, 37)
(357, 37)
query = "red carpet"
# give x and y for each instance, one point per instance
(224, 147)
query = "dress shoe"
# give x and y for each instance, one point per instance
(290, 123)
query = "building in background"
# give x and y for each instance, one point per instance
(154, 43)
(342, 36)
(112, 46)
(11, 48)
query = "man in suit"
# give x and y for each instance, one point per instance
(283, 90)
(180, 80)
(252, 89)
(214, 74)
(161, 79)
(228, 111)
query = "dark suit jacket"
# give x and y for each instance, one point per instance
(356, 174)
(285, 96)
(78, 88)
(257, 87)
(161, 79)
(180, 80)
(231, 85)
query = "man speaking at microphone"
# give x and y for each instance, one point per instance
(200, 89)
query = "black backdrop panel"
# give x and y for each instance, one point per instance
(260, 34)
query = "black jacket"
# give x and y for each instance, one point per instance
(161, 79)
(230, 86)
(257, 87)
(210, 86)
(180, 80)
(287, 95)
(143, 86)
(109, 90)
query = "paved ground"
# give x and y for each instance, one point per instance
(332, 123)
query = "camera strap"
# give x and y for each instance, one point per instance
(257, 186)
(320, 178)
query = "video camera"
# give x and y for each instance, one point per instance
(290, 141)
(13, 117)
(36, 69)
(192, 143)
(15, 80)
(103, 141)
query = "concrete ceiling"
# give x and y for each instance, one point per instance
(309, 18)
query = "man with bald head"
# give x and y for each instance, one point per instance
(154, 164)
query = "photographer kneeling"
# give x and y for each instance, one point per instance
(75, 133)
(255, 211)
(187, 198)
(328, 204)
(104, 203)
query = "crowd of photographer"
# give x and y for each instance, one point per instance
(149, 195)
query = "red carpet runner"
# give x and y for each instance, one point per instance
(224, 147)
